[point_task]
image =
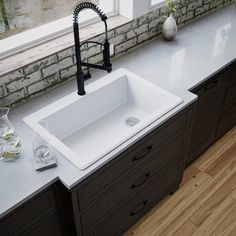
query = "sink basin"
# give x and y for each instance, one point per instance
(114, 109)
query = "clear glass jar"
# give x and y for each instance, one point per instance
(10, 146)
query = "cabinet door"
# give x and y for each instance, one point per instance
(46, 213)
(210, 99)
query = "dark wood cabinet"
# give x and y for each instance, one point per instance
(115, 196)
(47, 213)
(228, 114)
(215, 113)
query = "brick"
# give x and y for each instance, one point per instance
(96, 59)
(125, 46)
(34, 88)
(125, 28)
(101, 37)
(195, 5)
(118, 39)
(54, 68)
(14, 75)
(50, 70)
(23, 82)
(131, 34)
(154, 14)
(65, 53)
(93, 50)
(164, 11)
(40, 64)
(141, 29)
(201, 10)
(51, 80)
(67, 62)
(147, 35)
(143, 19)
(156, 23)
(2, 92)
(43, 84)
(12, 98)
(69, 72)
(216, 3)
(190, 15)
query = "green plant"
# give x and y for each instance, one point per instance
(4, 14)
(172, 6)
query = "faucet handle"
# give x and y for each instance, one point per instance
(106, 56)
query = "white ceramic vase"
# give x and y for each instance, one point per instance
(169, 28)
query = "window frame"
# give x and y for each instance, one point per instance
(39, 35)
(159, 4)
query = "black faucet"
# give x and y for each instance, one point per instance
(106, 46)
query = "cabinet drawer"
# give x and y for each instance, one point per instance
(132, 184)
(32, 209)
(230, 97)
(111, 174)
(227, 121)
(135, 208)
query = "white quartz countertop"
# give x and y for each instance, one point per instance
(200, 49)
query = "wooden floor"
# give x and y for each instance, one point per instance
(206, 202)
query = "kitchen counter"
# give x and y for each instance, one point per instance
(200, 49)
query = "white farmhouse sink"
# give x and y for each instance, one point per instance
(115, 108)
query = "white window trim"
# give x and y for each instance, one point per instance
(160, 4)
(136, 8)
(39, 35)
(45, 33)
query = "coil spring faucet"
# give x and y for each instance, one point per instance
(106, 46)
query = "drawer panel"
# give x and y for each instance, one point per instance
(137, 207)
(227, 121)
(230, 97)
(140, 152)
(38, 206)
(136, 182)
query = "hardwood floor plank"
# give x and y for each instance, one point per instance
(215, 151)
(228, 226)
(216, 197)
(223, 163)
(216, 218)
(189, 173)
(233, 194)
(187, 229)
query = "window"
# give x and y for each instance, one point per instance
(156, 2)
(25, 23)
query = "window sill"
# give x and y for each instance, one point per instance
(39, 52)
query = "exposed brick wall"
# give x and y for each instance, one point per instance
(36, 78)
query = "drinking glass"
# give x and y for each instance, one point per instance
(10, 145)
(42, 149)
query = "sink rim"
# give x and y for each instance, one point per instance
(33, 119)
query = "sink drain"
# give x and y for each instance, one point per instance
(131, 121)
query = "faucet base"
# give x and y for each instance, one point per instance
(81, 93)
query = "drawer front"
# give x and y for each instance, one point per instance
(111, 174)
(227, 121)
(136, 182)
(38, 206)
(135, 208)
(230, 97)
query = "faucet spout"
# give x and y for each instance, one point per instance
(106, 46)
